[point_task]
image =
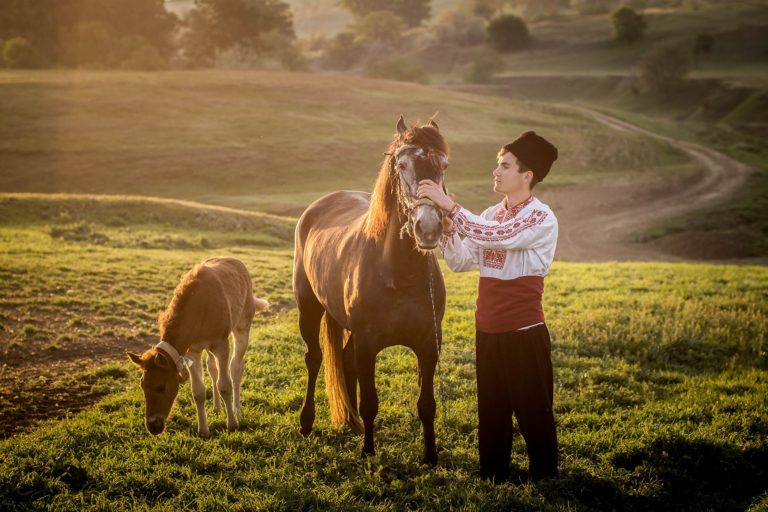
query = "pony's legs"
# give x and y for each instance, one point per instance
(241, 332)
(350, 371)
(213, 371)
(221, 353)
(309, 325)
(197, 384)
(427, 360)
(369, 400)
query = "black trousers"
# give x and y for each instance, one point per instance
(514, 376)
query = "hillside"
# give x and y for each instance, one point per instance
(276, 141)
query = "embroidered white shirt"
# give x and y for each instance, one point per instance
(503, 243)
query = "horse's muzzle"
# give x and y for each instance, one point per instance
(155, 425)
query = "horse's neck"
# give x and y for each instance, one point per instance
(399, 256)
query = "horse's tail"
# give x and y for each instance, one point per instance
(342, 409)
(260, 304)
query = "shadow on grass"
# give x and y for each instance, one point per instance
(700, 474)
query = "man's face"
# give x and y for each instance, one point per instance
(507, 178)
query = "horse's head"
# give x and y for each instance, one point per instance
(419, 153)
(160, 380)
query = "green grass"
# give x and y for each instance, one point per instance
(661, 386)
(272, 141)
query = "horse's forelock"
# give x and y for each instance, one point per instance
(384, 199)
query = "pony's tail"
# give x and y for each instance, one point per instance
(260, 304)
(342, 409)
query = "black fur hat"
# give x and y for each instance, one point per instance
(535, 152)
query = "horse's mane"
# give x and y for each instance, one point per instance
(170, 319)
(384, 197)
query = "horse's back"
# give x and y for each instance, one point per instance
(338, 210)
(226, 283)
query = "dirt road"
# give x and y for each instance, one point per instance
(599, 223)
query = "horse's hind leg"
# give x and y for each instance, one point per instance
(369, 400)
(213, 371)
(309, 325)
(242, 330)
(221, 353)
(350, 371)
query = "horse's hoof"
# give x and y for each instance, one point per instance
(365, 453)
(204, 434)
(305, 431)
(429, 461)
(233, 427)
(216, 410)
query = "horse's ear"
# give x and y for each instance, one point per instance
(136, 359)
(433, 124)
(401, 128)
(161, 361)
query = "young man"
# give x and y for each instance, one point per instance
(513, 244)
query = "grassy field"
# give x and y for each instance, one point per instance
(661, 375)
(275, 141)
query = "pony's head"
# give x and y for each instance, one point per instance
(417, 153)
(160, 381)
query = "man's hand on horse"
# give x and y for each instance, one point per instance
(433, 191)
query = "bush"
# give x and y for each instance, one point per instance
(459, 27)
(628, 25)
(663, 68)
(342, 53)
(484, 66)
(18, 53)
(507, 33)
(145, 57)
(380, 27)
(397, 69)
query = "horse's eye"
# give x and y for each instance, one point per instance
(401, 167)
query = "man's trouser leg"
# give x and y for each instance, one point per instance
(494, 409)
(532, 401)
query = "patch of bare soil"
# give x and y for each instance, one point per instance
(39, 381)
(602, 223)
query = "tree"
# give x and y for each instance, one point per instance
(663, 68)
(412, 12)
(50, 25)
(486, 64)
(628, 25)
(703, 44)
(507, 33)
(18, 53)
(380, 27)
(218, 25)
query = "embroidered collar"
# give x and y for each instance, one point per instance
(510, 213)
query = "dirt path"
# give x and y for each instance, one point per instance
(597, 224)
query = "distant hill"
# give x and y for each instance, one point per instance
(274, 141)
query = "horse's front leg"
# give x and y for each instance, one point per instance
(369, 400)
(221, 353)
(197, 384)
(427, 360)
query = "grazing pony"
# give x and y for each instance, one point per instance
(212, 300)
(364, 267)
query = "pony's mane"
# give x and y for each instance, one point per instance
(170, 319)
(384, 196)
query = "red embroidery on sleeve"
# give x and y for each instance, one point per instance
(502, 232)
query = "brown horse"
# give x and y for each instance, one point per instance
(363, 266)
(212, 300)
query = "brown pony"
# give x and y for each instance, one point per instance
(212, 300)
(363, 266)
